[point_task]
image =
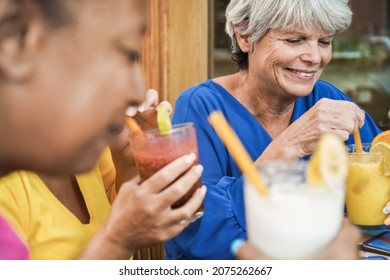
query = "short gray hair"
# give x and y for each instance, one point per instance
(256, 17)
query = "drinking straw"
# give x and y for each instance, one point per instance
(358, 142)
(236, 149)
(134, 126)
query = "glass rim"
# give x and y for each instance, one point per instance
(289, 162)
(175, 128)
(364, 154)
(273, 171)
(363, 144)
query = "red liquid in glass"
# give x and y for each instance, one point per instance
(151, 153)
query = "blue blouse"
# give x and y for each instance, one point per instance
(224, 219)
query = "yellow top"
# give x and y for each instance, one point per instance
(48, 227)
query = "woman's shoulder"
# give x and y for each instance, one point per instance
(18, 182)
(204, 90)
(208, 95)
(200, 100)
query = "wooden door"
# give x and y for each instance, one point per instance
(175, 53)
(175, 56)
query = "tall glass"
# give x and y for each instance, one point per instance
(368, 190)
(153, 150)
(295, 221)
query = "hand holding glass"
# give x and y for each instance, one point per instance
(153, 150)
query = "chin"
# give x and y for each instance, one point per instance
(300, 91)
(86, 165)
(81, 164)
(68, 169)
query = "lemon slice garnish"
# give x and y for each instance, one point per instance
(329, 163)
(384, 149)
(163, 120)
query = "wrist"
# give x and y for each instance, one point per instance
(106, 245)
(279, 151)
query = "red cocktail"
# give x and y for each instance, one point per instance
(153, 150)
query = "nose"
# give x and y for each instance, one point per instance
(312, 53)
(138, 91)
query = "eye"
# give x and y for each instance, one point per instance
(293, 41)
(133, 56)
(325, 42)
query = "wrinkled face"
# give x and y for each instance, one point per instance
(85, 76)
(290, 62)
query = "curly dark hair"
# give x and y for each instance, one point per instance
(55, 12)
(239, 57)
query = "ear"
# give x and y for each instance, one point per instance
(17, 51)
(244, 42)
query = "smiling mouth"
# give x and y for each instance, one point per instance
(302, 73)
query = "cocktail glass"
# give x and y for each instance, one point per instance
(295, 221)
(154, 150)
(368, 190)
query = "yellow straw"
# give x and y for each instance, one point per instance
(132, 124)
(234, 146)
(358, 142)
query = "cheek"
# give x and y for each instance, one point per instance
(272, 60)
(326, 56)
(122, 84)
(271, 56)
(105, 94)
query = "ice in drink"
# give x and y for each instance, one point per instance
(296, 220)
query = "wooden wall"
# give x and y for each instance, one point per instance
(175, 55)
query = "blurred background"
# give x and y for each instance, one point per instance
(361, 56)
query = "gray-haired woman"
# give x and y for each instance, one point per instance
(275, 103)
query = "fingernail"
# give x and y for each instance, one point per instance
(198, 169)
(387, 221)
(236, 245)
(203, 191)
(190, 158)
(182, 222)
(131, 111)
(386, 210)
(141, 108)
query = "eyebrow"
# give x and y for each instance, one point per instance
(292, 32)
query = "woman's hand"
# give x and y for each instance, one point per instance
(121, 145)
(343, 247)
(327, 115)
(141, 215)
(122, 155)
(345, 244)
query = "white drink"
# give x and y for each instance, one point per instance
(295, 221)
